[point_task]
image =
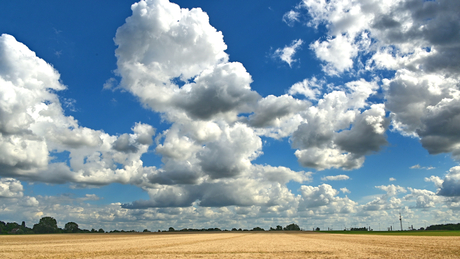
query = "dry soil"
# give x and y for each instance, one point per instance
(227, 245)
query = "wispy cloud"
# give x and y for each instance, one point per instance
(286, 53)
(345, 190)
(291, 17)
(417, 166)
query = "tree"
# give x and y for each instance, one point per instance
(171, 229)
(46, 225)
(292, 227)
(71, 227)
(11, 225)
(2, 227)
(101, 230)
(279, 227)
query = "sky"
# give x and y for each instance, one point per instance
(202, 114)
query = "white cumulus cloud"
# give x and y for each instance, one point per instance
(339, 177)
(10, 188)
(286, 54)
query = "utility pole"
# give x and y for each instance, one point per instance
(400, 221)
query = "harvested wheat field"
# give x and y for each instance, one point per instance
(228, 245)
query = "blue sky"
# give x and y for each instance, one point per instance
(229, 113)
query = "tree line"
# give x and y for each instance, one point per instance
(48, 225)
(444, 227)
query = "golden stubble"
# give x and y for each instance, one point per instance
(227, 245)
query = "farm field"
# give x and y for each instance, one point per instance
(401, 233)
(227, 245)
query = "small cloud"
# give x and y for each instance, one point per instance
(58, 53)
(56, 31)
(392, 189)
(436, 180)
(344, 190)
(110, 84)
(339, 177)
(69, 103)
(291, 17)
(310, 88)
(91, 197)
(392, 179)
(288, 52)
(422, 167)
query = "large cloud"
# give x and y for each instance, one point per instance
(432, 114)
(181, 70)
(272, 108)
(10, 188)
(257, 185)
(423, 198)
(387, 201)
(418, 40)
(222, 89)
(173, 59)
(324, 198)
(414, 31)
(450, 185)
(335, 133)
(33, 127)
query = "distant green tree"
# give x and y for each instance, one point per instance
(10, 226)
(101, 230)
(171, 229)
(449, 226)
(146, 230)
(292, 227)
(46, 225)
(258, 229)
(2, 227)
(317, 229)
(71, 227)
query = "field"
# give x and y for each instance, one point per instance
(402, 233)
(228, 245)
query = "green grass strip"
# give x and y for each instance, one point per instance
(400, 233)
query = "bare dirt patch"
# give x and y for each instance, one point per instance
(227, 245)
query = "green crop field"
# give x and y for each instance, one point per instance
(400, 233)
